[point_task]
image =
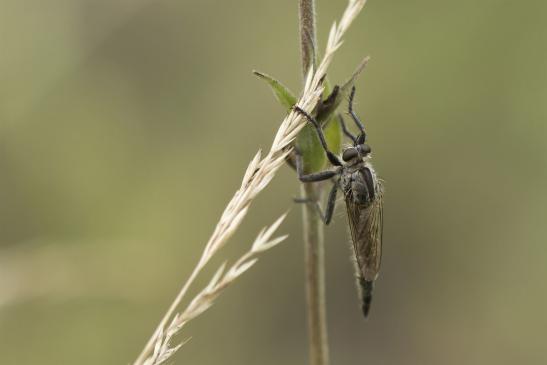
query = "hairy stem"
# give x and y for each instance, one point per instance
(307, 34)
(313, 226)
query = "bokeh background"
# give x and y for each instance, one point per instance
(125, 127)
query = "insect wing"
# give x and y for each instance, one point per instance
(366, 227)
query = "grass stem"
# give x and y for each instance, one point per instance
(312, 224)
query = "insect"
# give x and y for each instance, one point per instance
(363, 192)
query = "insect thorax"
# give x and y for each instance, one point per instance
(360, 183)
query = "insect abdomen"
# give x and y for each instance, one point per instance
(366, 294)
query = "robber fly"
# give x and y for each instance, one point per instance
(363, 193)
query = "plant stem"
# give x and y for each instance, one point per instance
(307, 34)
(315, 278)
(313, 225)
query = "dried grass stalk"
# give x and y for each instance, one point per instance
(260, 171)
(163, 349)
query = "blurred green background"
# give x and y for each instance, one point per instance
(126, 126)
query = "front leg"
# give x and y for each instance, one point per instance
(331, 156)
(314, 177)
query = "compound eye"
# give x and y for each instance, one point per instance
(349, 154)
(365, 149)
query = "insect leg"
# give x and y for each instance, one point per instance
(318, 176)
(359, 124)
(331, 203)
(331, 156)
(345, 129)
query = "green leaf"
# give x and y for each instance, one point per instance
(333, 134)
(281, 92)
(313, 156)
